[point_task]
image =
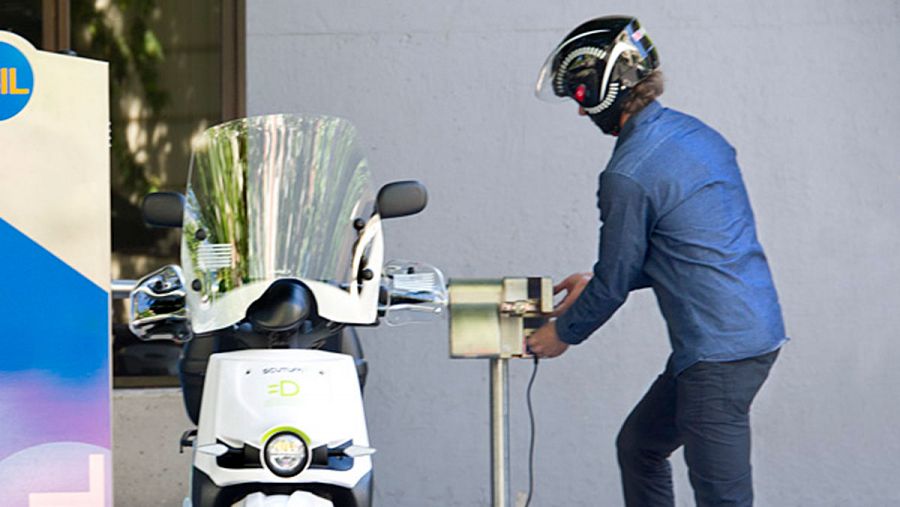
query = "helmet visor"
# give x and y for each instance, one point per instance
(547, 87)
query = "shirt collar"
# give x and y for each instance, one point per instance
(648, 113)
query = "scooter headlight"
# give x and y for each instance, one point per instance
(286, 454)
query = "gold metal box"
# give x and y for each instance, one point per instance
(492, 317)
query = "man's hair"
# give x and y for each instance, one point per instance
(644, 93)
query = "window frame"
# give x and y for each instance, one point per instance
(57, 37)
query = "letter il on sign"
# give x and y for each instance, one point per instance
(16, 81)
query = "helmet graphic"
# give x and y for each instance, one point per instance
(597, 65)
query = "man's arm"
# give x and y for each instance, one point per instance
(627, 217)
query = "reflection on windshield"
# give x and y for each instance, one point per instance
(273, 197)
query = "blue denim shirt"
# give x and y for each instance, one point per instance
(676, 217)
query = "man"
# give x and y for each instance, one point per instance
(676, 218)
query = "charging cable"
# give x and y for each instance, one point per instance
(531, 443)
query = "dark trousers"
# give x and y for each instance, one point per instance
(705, 408)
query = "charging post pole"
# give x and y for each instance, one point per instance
(490, 319)
(500, 431)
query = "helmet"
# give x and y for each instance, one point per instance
(597, 65)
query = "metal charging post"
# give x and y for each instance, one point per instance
(489, 319)
(500, 431)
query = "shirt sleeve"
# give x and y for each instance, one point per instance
(626, 213)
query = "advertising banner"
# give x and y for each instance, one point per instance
(54, 266)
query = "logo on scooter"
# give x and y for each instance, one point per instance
(285, 389)
(283, 369)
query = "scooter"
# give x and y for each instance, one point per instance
(281, 257)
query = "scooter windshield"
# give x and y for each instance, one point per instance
(273, 197)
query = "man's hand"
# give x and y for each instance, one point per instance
(545, 343)
(573, 285)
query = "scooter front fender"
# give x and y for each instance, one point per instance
(297, 499)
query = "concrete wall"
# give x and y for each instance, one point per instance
(442, 91)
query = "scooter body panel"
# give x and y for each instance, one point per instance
(251, 393)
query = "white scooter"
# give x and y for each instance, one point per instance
(282, 252)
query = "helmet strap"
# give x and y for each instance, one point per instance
(609, 119)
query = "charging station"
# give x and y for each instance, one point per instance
(55, 266)
(491, 319)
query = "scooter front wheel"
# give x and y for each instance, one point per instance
(297, 499)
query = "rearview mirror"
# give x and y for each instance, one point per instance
(401, 198)
(157, 306)
(163, 209)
